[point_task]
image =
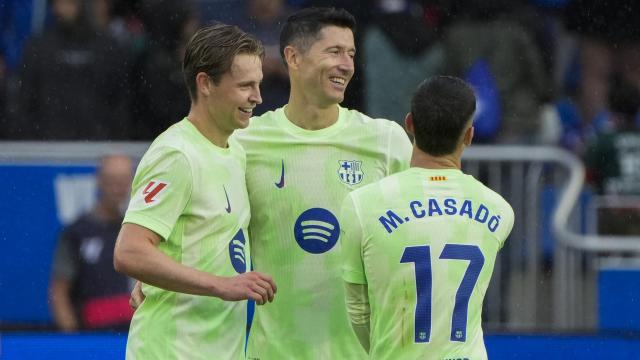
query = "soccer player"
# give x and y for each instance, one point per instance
(419, 246)
(302, 160)
(185, 231)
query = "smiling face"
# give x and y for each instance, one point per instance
(325, 69)
(230, 103)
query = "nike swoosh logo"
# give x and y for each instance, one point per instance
(228, 208)
(280, 184)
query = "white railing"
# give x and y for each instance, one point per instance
(532, 289)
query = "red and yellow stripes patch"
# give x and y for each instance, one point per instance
(438, 178)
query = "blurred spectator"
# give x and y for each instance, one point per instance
(3, 96)
(613, 159)
(160, 94)
(497, 55)
(73, 82)
(118, 19)
(397, 39)
(18, 20)
(610, 42)
(264, 19)
(86, 292)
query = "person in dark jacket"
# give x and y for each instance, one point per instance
(160, 97)
(86, 292)
(73, 82)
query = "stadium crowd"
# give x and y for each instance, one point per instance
(544, 70)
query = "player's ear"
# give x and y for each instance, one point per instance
(291, 57)
(204, 84)
(408, 124)
(468, 135)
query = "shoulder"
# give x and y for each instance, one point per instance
(390, 132)
(169, 152)
(358, 118)
(378, 188)
(174, 141)
(493, 197)
(259, 124)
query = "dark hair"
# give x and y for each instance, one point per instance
(212, 49)
(441, 107)
(302, 28)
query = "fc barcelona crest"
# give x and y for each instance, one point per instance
(350, 171)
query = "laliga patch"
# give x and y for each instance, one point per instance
(153, 189)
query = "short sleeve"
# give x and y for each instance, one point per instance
(507, 220)
(399, 150)
(161, 191)
(351, 237)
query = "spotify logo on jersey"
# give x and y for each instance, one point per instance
(236, 252)
(316, 230)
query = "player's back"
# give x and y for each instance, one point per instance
(429, 243)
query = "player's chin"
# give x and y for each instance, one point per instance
(336, 96)
(243, 119)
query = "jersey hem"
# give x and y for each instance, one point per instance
(149, 223)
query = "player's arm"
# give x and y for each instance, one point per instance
(357, 299)
(136, 255)
(162, 190)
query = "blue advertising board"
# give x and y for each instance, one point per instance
(35, 200)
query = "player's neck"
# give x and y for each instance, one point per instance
(207, 127)
(310, 116)
(421, 159)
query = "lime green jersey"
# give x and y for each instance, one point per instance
(297, 180)
(191, 193)
(425, 242)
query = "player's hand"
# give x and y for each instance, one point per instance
(137, 297)
(251, 285)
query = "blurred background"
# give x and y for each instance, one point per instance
(86, 84)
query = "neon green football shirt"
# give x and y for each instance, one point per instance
(191, 193)
(297, 180)
(425, 243)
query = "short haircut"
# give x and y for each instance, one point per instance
(212, 50)
(441, 108)
(303, 27)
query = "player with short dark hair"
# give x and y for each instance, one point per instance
(185, 231)
(302, 160)
(303, 28)
(419, 246)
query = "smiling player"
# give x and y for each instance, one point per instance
(185, 231)
(302, 160)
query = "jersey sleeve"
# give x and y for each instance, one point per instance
(161, 191)
(351, 237)
(399, 149)
(507, 223)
